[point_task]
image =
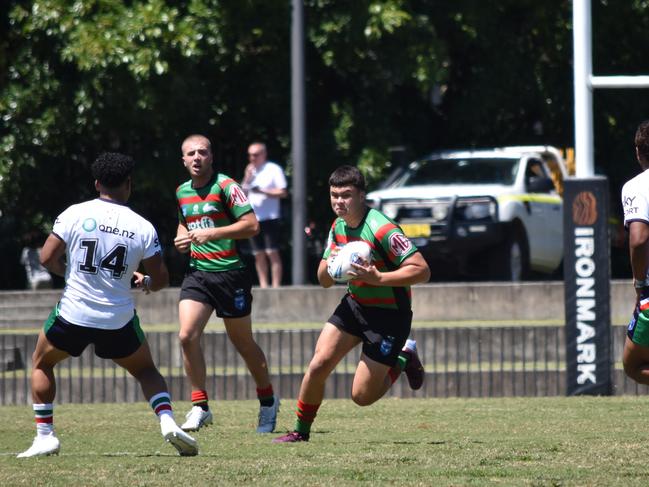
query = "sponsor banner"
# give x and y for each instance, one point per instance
(586, 269)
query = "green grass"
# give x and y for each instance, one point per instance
(510, 441)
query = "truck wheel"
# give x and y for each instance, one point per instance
(510, 261)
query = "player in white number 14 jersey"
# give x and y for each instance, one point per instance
(104, 242)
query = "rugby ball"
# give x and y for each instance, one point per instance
(351, 253)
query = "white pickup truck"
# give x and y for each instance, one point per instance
(495, 213)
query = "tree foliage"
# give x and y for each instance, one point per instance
(81, 77)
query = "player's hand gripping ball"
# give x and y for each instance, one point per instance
(357, 252)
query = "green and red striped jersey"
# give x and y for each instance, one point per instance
(217, 204)
(390, 247)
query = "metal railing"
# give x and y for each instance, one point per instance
(459, 362)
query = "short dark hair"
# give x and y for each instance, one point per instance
(642, 140)
(112, 169)
(347, 176)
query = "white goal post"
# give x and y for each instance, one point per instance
(585, 82)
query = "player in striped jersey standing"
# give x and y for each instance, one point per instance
(213, 212)
(103, 241)
(375, 311)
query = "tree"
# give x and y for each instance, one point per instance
(135, 77)
(78, 78)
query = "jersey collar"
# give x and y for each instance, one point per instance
(106, 200)
(209, 183)
(361, 222)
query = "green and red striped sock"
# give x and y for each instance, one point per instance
(161, 404)
(199, 398)
(395, 371)
(44, 416)
(266, 396)
(305, 415)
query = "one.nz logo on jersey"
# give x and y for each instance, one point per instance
(89, 224)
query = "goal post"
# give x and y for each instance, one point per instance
(589, 357)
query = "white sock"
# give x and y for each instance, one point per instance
(44, 415)
(161, 404)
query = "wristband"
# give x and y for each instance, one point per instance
(146, 282)
(640, 283)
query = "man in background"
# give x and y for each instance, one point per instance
(265, 184)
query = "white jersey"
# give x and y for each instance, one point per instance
(635, 199)
(105, 242)
(268, 176)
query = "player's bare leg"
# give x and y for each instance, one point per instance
(331, 347)
(194, 316)
(140, 365)
(261, 265)
(333, 344)
(239, 331)
(636, 361)
(45, 357)
(371, 381)
(275, 267)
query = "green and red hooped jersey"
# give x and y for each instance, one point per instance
(390, 247)
(217, 204)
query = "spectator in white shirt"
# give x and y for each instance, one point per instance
(265, 184)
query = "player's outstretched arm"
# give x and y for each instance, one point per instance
(52, 255)
(156, 271)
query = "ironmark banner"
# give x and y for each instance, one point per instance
(586, 269)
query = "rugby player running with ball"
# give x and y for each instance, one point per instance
(376, 311)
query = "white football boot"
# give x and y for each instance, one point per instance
(181, 441)
(43, 445)
(268, 417)
(196, 418)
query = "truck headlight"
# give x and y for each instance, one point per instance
(473, 209)
(390, 210)
(439, 212)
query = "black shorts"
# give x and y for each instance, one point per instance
(112, 344)
(228, 292)
(268, 236)
(384, 331)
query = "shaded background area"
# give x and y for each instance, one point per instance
(80, 78)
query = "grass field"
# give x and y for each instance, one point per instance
(511, 441)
